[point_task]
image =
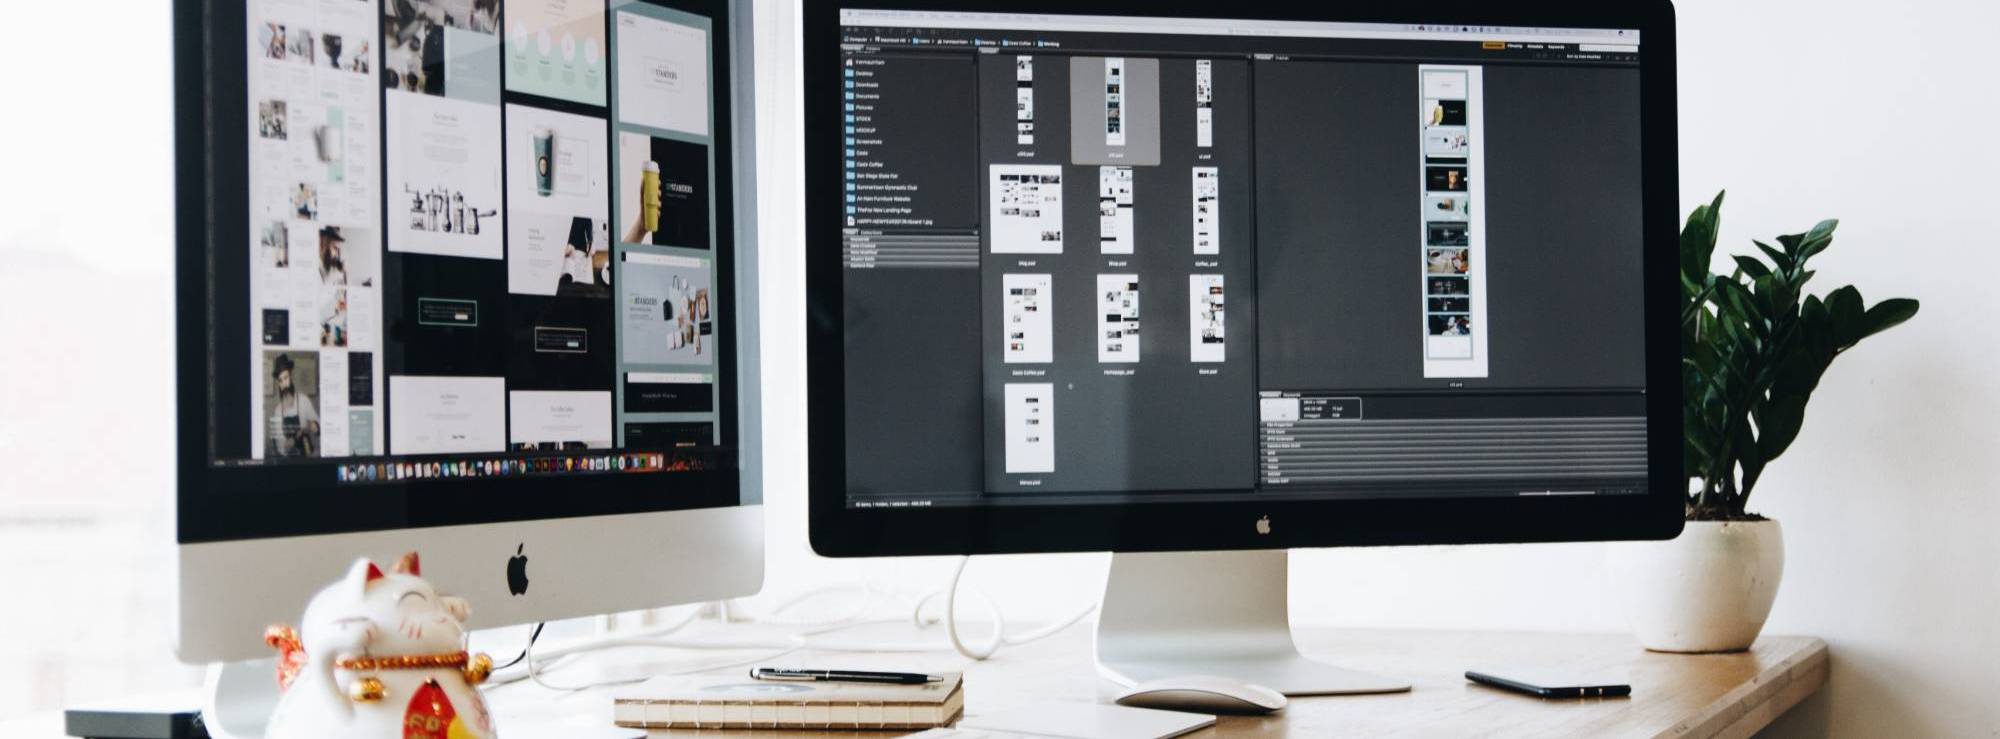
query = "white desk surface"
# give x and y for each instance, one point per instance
(1727, 695)
(1682, 696)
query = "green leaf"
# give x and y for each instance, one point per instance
(1747, 455)
(1736, 299)
(1843, 307)
(1798, 371)
(1812, 313)
(1778, 424)
(1693, 310)
(1886, 315)
(1698, 237)
(1782, 260)
(1751, 267)
(1817, 240)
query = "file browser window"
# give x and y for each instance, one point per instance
(1102, 260)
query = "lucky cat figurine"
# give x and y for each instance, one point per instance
(380, 655)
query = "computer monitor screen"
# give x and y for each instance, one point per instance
(1101, 260)
(463, 262)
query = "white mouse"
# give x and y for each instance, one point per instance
(1205, 694)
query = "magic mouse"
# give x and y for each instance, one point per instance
(1203, 693)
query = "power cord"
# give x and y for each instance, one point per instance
(532, 636)
(1000, 637)
(537, 663)
(658, 639)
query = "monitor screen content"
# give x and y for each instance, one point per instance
(1099, 260)
(477, 265)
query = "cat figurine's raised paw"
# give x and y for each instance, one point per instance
(380, 655)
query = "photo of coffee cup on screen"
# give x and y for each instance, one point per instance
(545, 162)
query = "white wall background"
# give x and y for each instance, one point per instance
(1877, 113)
(86, 327)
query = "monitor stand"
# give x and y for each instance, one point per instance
(240, 698)
(1176, 614)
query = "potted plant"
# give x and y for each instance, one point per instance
(1754, 345)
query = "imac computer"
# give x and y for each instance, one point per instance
(466, 277)
(1196, 283)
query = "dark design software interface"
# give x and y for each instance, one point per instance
(1101, 260)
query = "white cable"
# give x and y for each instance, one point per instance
(951, 618)
(868, 597)
(792, 643)
(588, 645)
(1000, 637)
(537, 663)
(528, 668)
(534, 671)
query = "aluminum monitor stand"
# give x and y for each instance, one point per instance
(1176, 614)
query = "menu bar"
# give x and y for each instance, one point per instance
(1229, 27)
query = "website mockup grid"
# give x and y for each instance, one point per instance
(482, 239)
(1268, 169)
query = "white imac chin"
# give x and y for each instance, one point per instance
(512, 573)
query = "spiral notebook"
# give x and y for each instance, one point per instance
(738, 703)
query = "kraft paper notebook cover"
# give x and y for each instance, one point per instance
(713, 702)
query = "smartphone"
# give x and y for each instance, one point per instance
(1547, 684)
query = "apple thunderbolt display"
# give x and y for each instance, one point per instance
(1196, 284)
(475, 279)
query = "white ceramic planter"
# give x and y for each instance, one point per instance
(1707, 591)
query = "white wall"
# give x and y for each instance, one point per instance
(86, 326)
(1876, 113)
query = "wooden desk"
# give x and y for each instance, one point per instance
(1728, 695)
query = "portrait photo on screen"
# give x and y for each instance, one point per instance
(291, 404)
(348, 255)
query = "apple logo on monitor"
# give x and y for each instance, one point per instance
(1264, 525)
(517, 571)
